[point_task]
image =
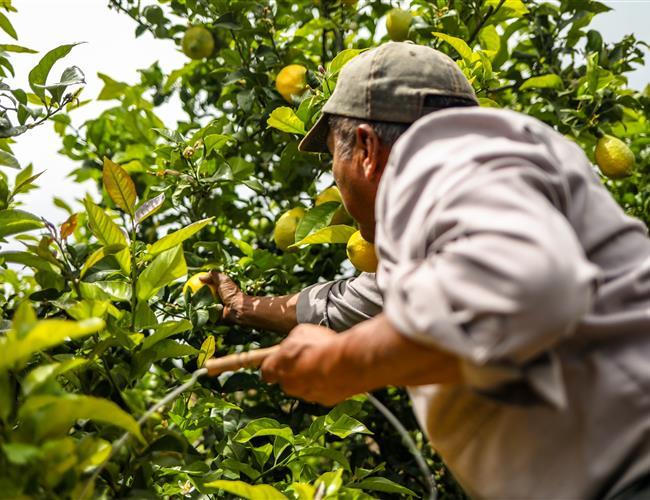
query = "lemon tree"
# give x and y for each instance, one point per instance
(210, 191)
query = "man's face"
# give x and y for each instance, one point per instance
(357, 176)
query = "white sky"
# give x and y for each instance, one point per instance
(111, 48)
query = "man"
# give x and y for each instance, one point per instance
(512, 294)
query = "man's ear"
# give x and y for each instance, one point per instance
(369, 146)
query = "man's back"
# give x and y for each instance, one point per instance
(579, 393)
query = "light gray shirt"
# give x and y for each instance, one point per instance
(497, 242)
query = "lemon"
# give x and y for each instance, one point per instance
(291, 81)
(398, 23)
(614, 157)
(361, 253)
(284, 233)
(198, 43)
(341, 216)
(195, 284)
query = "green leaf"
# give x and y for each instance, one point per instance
(108, 233)
(7, 27)
(41, 374)
(177, 237)
(303, 491)
(341, 59)
(263, 427)
(165, 268)
(21, 453)
(207, 351)
(346, 426)
(331, 481)
(550, 81)
(286, 120)
(245, 490)
(316, 218)
(460, 45)
(38, 75)
(52, 416)
(120, 186)
(17, 221)
(331, 453)
(329, 234)
(384, 485)
(27, 259)
(215, 142)
(165, 330)
(8, 160)
(46, 334)
(149, 207)
(93, 259)
(18, 49)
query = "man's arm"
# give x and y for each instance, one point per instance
(270, 313)
(316, 364)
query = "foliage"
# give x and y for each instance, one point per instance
(201, 194)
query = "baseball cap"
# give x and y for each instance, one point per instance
(389, 83)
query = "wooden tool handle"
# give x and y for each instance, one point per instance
(232, 362)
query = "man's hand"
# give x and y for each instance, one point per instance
(307, 366)
(316, 364)
(230, 294)
(267, 313)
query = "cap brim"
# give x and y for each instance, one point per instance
(316, 139)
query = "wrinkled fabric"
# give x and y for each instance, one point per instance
(498, 243)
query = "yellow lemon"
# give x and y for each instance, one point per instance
(361, 253)
(398, 22)
(198, 43)
(614, 157)
(284, 233)
(195, 284)
(341, 216)
(291, 81)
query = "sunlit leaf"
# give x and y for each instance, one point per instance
(149, 207)
(459, 44)
(7, 27)
(38, 75)
(120, 186)
(329, 234)
(384, 485)
(108, 233)
(286, 120)
(207, 351)
(550, 81)
(69, 226)
(45, 334)
(17, 221)
(244, 490)
(8, 160)
(165, 268)
(341, 59)
(316, 218)
(178, 237)
(263, 427)
(52, 416)
(165, 330)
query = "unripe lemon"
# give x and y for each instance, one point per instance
(198, 43)
(361, 253)
(291, 81)
(341, 216)
(284, 233)
(195, 284)
(398, 23)
(613, 157)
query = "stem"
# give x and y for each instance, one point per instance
(490, 12)
(134, 274)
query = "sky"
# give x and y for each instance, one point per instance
(112, 48)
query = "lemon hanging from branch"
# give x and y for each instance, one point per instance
(398, 23)
(614, 157)
(198, 43)
(291, 82)
(284, 233)
(362, 253)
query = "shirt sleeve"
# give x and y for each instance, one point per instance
(499, 281)
(340, 304)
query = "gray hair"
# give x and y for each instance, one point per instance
(345, 128)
